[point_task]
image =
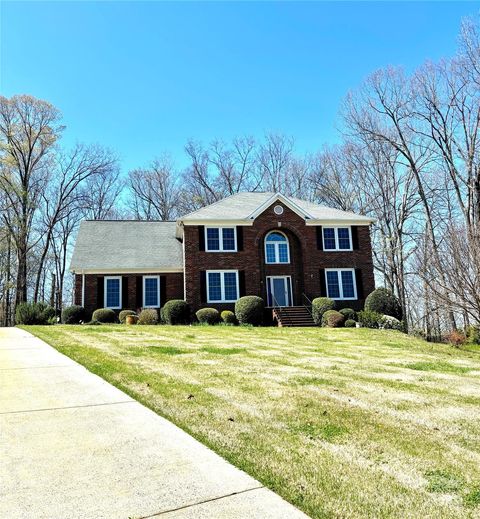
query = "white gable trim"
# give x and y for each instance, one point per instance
(278, 197)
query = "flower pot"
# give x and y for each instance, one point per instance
(131, 319)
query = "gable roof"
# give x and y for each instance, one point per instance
(247, 206)
(122, 246)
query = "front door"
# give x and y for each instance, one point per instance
(279, 291)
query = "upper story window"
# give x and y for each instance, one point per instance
(337, 238)
(222, 286)
(277, 249)
(341, 283)
(151, 291)
(221, 239)
(113, 292)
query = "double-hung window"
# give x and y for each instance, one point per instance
(151, 291)
(341, 283)
(221, 239)
(222, 286)
(113, 292)
(276, 248)
(337, 238)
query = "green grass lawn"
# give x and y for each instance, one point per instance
(340, 422)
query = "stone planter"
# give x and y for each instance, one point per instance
(131, 319)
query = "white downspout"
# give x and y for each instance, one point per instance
(83, 289)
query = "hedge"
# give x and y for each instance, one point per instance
(176, 311)
(320, 305)
(249, 310)
(73, 314)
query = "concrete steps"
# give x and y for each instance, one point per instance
(292, 316)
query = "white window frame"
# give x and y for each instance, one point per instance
(158, 292)
(340, 284)
(335, 231)
(277, 253)
(222, 286)
(105, 282)
(220, 237)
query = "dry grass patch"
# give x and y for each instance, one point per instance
(341, 422)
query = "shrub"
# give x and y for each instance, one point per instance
(104, 315)
(349, 314)
(369, 319)
(473, 334)
(33, 313)
(455, 338)
(333, 319)
(228, 317)
(123, 315)
(320, 305)
(384, 302)
(249, 310)
(208, 316)
(148, 316)
(350, 323)
(387, 322)
(176, 311)
(93, 323)
(73, 314)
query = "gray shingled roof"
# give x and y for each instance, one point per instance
(240, 206)
(122, 245)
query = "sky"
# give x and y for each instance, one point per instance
(144, 77)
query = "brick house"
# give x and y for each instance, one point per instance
(285, 250)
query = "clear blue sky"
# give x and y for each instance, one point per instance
(143, 77)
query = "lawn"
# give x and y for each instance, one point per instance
(340, 422)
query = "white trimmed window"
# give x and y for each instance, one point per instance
(151, 291)
(277, 249)
(113, 292)
(221, 239)
(337, 238)
(341, 283)
(222, 286)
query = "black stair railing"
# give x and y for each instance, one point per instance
(308, 306)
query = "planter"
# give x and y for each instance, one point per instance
(131, 319)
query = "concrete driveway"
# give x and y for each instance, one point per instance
(73, 446)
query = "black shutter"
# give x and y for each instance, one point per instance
(239, 238)
(139, 292)
(125, 301)
(359, 280)
(354, 237)
(323, 286)
(201, 237)
(319, 238)
(100, 292)
(163, 290)
(203, 287)
(241, 283)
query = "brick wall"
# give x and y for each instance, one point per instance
(172, 289)
(306, 259)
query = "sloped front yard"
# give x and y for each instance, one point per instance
(340, 422)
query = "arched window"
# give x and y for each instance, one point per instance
(276, 248)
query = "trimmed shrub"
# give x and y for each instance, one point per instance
(249, 310)
(333, 319)
(148, 316)
(123, 315)
(387, 322)
(320, 305)
(349, 314)
(369, 319)
(384, 302)
(350, 323)
(73, 314)
(33, 313)
(228, 317)
(208, 316)
(104, 315)
(176, 311)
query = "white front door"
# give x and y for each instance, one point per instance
(279, 291)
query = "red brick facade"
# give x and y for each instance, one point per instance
(306, 260)
(171, 287)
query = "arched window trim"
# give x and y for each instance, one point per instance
(276, 246)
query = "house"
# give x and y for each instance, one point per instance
(285, 250)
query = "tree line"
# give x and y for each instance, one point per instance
(409, 157)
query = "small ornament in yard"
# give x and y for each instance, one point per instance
(131, 319)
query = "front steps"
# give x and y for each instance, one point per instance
(289, 316)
